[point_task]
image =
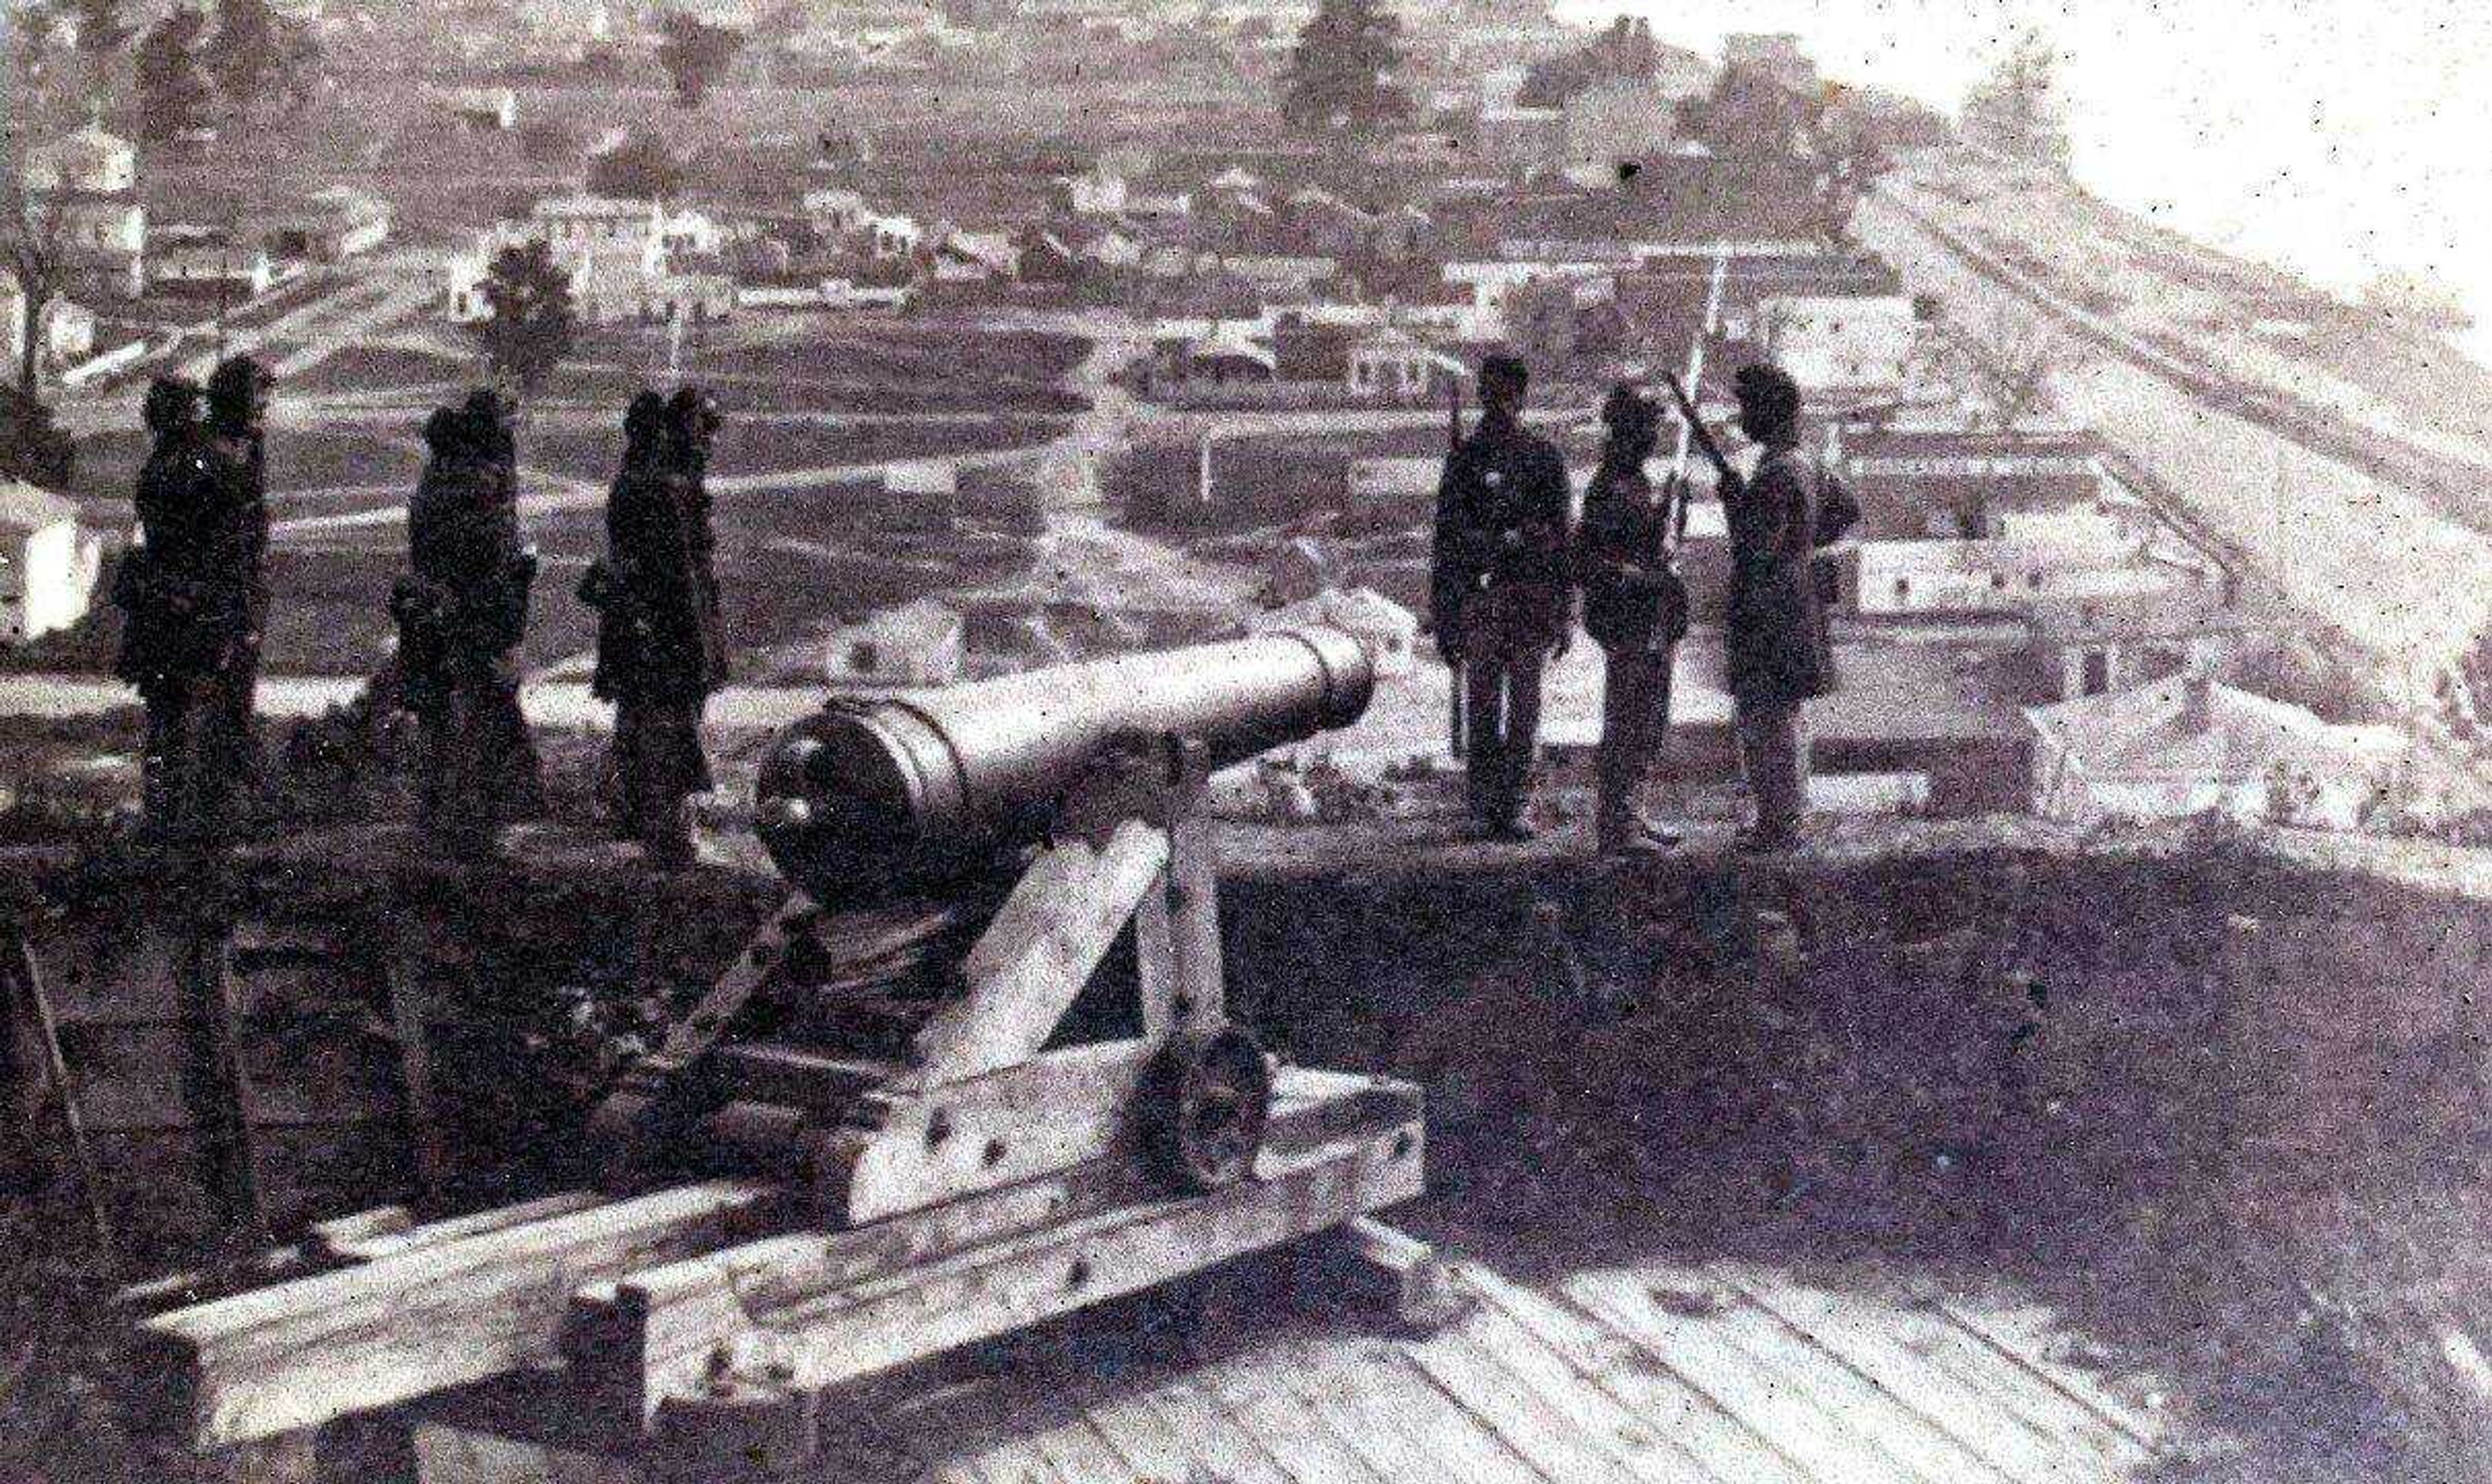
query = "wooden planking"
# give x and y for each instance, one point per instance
(1910, 1355)
(1480, 1383)
(1354, 1400)
(1575, 1385)
(1729, 1449)
(1864, 1400)
(1210, 1434)
(2031, 1336)
(304, 1352)
(1643, 1446)
(1371, 1390)
(1309, 1452)
(1077, 1452)
(1673, 1431)
(1828, 1443)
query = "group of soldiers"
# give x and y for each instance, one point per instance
(1511, 560)
(194, 593)
(194, 597)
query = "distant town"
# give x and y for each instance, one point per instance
(1051, 327)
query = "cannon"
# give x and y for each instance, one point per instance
(977, 1071)
(898, 787)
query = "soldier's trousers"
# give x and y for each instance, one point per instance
(1774, 754)
(1635, 720)
(658, 760)
(198, 752)
(480, 764)
(1501, 728)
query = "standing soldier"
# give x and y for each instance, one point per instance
(655, 639)
(1780, 649)
(1635, 608)
(237, 577)
(1500, 598)
(695, 419)
(462, 610)
(521, 781)
(156, 590)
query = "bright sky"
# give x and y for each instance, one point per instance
(2338, 137)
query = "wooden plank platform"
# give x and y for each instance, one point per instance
(1718, 1373)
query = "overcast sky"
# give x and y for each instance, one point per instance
(2337, 136)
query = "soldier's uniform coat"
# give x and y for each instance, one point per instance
(1778, 638)
(1779, 648)
(661, 647)
(1636, 610)
(462, 612)
(1502, 591)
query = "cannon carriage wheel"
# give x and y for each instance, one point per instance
(1203, 1110)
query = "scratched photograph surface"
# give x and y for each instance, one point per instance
(1245, 742)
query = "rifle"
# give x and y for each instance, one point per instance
(1458, 710)
(1697, 429)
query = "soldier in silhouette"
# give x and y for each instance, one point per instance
(1501, 594)
(461, 613)
(659, 649)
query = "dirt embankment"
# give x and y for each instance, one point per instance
(2250, 1159)
(2246, 1157)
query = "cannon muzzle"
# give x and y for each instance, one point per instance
(916, 783)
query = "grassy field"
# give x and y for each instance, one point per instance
(382, 369)
(107, 466)
(827, 366)
(769, 448)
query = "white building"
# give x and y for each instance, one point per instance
(83, 188)
(331, 225)
(1941, 578)
(978, 256)
(200, 259)
(47, 563)
(1858, 346)
(486, 110)
(572, 223)
(1493, 281)
(67, 334)
(91, 161)
(2188, 746)
(838, 211)
(693, 233)
(891, 239)
(616, 252)
(920, 643)
(1395, 366)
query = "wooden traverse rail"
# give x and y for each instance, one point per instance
(638, 1294)
(413, 1322)
(658, 1330)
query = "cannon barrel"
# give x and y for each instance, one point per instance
(903, 784)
